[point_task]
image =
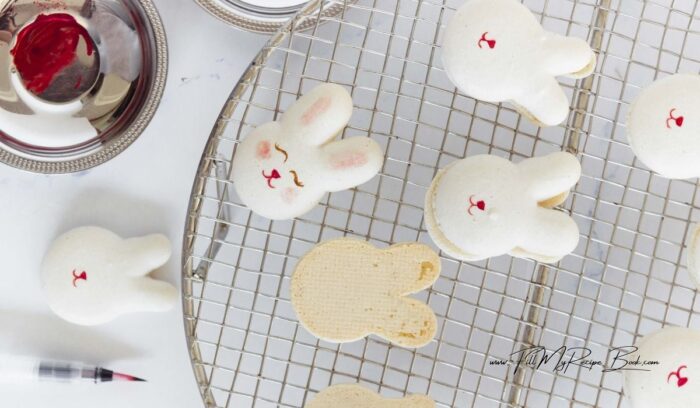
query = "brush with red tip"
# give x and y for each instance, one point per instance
(14, 369)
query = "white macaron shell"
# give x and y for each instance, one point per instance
(670, 149)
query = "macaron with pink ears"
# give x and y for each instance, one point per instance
(283, 168)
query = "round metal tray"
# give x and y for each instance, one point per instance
(74, 113)
(260, 18)
(626, 278)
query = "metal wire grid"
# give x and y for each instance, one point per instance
(626, 278)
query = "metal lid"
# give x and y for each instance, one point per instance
(263, 16)
(79, 80)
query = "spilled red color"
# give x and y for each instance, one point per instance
(47, 46)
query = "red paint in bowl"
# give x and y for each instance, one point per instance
(47, 46)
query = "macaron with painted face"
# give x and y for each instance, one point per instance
(92, 276)
(663, 126)
(497, 51)
(485, 206)
(669, 373)
(283, 168)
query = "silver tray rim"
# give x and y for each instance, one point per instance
(249, 21)
(120, 142)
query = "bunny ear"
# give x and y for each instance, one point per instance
(410, 323)
(416, 266)
(350, 162)
(548, 107)
(568, 56)
(148, 295)
(551, 175)
(553, 236)
(139, 256)
(320, 114)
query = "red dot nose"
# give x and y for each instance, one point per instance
(492, 43)
(679, 121)
(275, 174)
(481, 205)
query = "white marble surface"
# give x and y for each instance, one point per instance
(145, 189)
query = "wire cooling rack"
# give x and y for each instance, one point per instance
(626, 278)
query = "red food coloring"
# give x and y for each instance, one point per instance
(680, 380)
(263, 150)
(47, 46)
(490, 43)
(677, 119)
(82, 276)
(125, 377)
(274, 175)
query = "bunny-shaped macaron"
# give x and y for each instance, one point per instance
(346, 289)
(283, 168)
(496, 51)
(485, 206)
(661, 370)
(663, 126)
(92, 276)
(356, 396)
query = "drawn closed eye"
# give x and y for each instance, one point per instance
(281, 150)
(296, 178)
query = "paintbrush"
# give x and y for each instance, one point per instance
(14, 369)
